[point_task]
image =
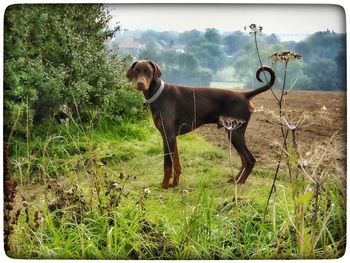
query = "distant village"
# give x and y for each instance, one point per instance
(134, 45)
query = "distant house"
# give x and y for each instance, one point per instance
(131, 46)
(164, 45)
(175, 47)
(179, 48)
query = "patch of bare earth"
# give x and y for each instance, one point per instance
(324, 115)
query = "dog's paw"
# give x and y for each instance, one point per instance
(165, 186)
(238, 180)
(231, 180)
(173, 185)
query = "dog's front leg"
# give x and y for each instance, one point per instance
(177, 166)
(169, 144)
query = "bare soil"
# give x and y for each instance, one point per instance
(324, 115)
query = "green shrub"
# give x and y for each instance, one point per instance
(56, 55)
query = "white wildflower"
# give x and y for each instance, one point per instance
(65, 109)
(304, 163)
(117, 186)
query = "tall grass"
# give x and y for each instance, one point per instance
(94, 192)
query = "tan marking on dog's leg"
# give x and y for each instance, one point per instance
(177, 167)
(167, 177)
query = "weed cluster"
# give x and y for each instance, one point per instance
(9, 196)
(313, 174)
(91, 211)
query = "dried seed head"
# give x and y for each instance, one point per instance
(254, 29)
(231, 123)
(284, 56)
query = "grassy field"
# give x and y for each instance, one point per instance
(93, 192)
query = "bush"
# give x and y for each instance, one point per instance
(56, 55)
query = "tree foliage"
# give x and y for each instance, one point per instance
(212, 35)
(181, 68)
(323, 66)
(55, 55)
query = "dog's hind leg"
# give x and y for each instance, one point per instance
(244, 164)
(169, 142)
(247, 158)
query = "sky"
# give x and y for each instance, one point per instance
(291, 22)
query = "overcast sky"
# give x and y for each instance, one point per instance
(280, 19)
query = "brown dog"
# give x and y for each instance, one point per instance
(177, 110)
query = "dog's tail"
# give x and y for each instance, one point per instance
(255, 92)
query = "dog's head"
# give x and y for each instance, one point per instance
(142, 73)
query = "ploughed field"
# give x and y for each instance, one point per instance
(323, 115)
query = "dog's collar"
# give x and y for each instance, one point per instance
(157, 94)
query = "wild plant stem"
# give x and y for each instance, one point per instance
(280, 101)
(273, 186)
(238, 230)
(274, 216)
(284, 136)
(314, 220)
(284, 80)
(14, 126)
(229, 153)
(27, 137)
(260, 61)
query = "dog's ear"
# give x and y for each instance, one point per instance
(130, 72)
(157, 71)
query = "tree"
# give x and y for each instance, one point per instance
(305, 49)
(55, 55)
(272, 39)
(234, 42)
(179, 67)
(322, 74)
(341, 69)
(211, 56)
(192, 37)
(212, 36)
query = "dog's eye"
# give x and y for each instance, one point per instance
(136, 71)
(148, 73)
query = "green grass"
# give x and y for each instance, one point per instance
(97, 206)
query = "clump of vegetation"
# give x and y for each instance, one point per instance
(56, 55)
(10, 190)
(306, 174)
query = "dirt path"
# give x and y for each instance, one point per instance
(325, 115)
